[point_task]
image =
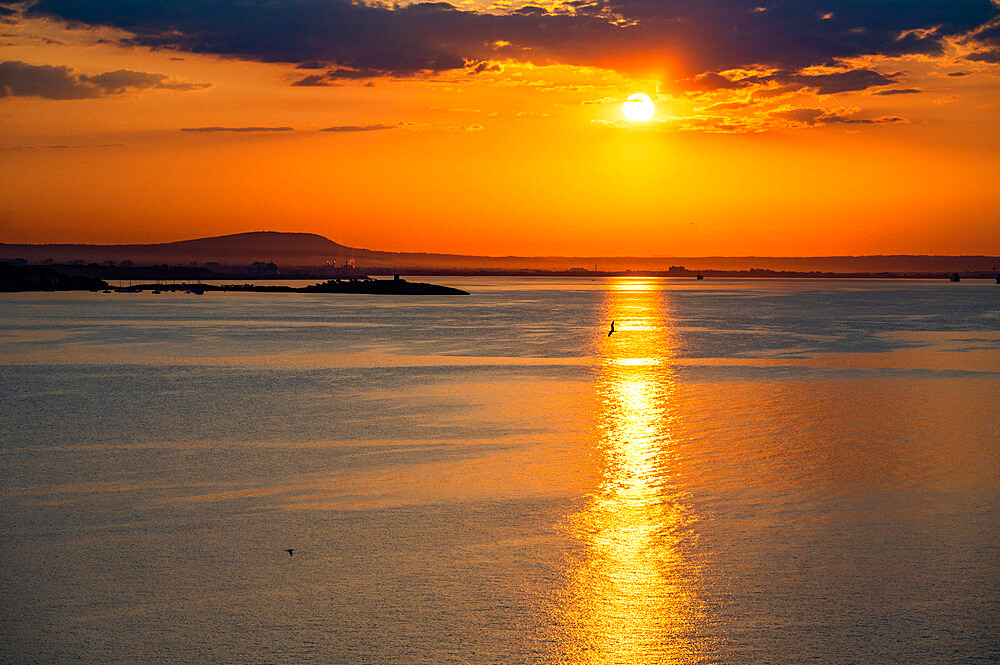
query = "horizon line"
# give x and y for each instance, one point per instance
(495, 256)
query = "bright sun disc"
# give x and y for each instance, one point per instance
(638, 107)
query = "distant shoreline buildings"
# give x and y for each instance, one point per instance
(272, 255)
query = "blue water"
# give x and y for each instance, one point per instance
(747, 471)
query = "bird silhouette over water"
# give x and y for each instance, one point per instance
(612, 329)
(290, 552)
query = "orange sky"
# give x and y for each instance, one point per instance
(530, 159)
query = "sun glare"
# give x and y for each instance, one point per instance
(638, 107)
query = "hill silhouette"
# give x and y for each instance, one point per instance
(311, 249)
(236, 249)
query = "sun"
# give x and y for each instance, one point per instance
(638, 107)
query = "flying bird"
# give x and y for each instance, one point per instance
(290, 552)
(612, 329)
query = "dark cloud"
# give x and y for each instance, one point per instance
(807, 116)
(363, 73)
(311, 64)
(19, 79)
(959, 74)
(816, 117)
(121, 80)
(992, 55)
(849, 80)
(313, 80)
(899, 91)
(358, 128)
(834, 118)
(209, 130)
(416, 68)
(768, 93)
(483, 66)
(987, 34)
(711, 81)
(987, 39)
(684, 36)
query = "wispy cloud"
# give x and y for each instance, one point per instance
(358, 128)
(814, 117)
(237, 129)
(898, 91)
(752, 123)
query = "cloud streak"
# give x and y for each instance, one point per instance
(898, 91)
(816, 117)
(358, 128)
(212, 130)
(827, 83)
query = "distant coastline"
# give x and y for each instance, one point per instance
(62, 277)
(17, 278)
(269, 254)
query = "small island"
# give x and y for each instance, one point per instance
(364, 285)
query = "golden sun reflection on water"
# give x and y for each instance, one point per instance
(631, 597)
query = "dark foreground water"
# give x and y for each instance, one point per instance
(745, 472)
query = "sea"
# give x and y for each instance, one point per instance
(745, 472)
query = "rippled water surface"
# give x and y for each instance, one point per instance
(744, 472)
